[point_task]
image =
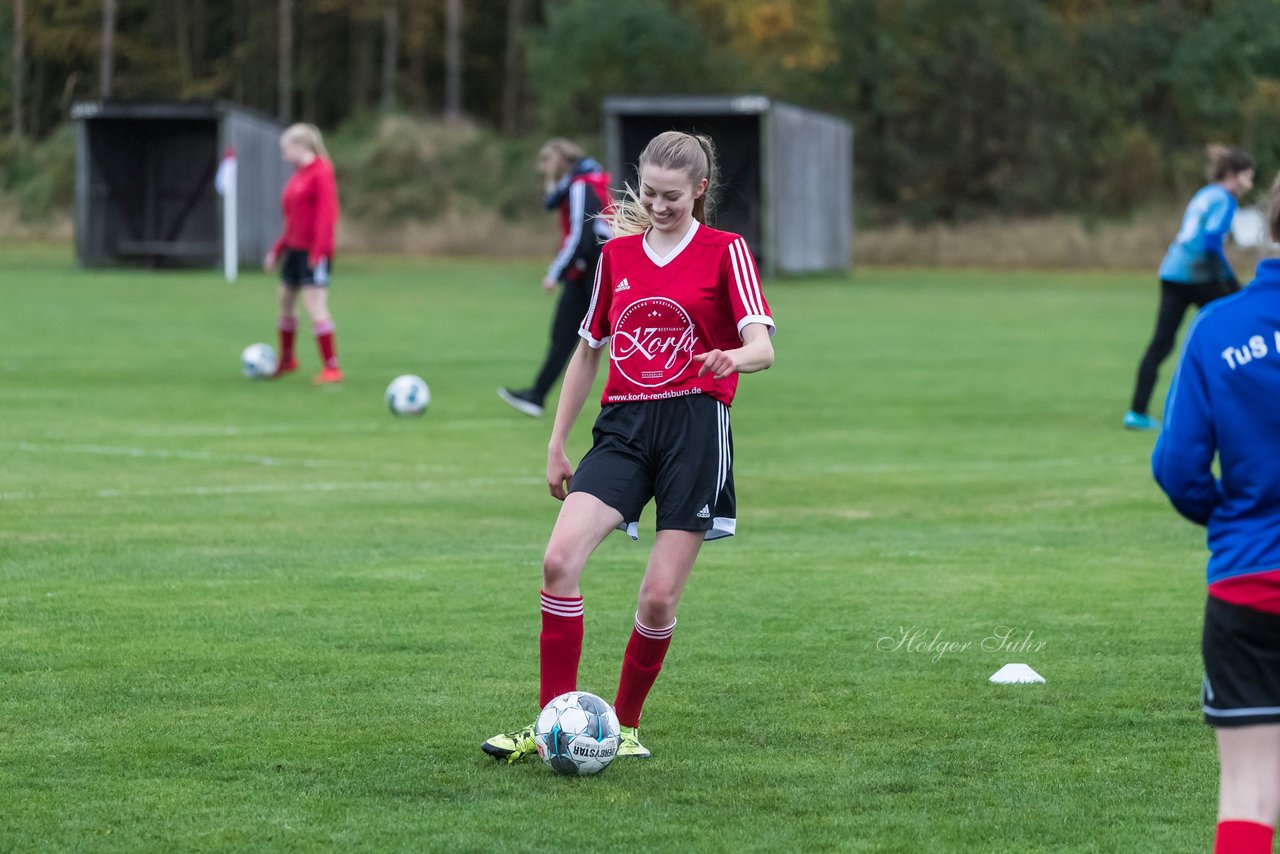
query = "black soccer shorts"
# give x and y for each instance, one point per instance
(1241, 648)
(677, 451)
(295, 272)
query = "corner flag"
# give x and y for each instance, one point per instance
(225, 182)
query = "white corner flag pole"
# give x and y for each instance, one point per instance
(225, 182)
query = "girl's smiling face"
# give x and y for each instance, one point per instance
(668, 195)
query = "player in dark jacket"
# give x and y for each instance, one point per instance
(578, 188)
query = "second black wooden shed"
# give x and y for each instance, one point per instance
(786, 173)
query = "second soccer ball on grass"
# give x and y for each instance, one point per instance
(408, 395)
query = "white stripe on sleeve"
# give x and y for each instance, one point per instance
(577, 202)
(584, 330)
(748, 284)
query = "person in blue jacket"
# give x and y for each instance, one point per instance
(1225, 401)
(1195, 270)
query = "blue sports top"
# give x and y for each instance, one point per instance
(1195, 255)
(1225, 398)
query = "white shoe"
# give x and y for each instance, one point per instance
(521, 400)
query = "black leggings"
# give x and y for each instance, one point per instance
(575, 297)
(1175, 299)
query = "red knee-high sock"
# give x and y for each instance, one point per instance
(324, 340)
(1243, 837)
(559, 646)
(286, 327)
(640, 666)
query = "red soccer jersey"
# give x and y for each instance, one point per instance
(657, 313)
(310, 202)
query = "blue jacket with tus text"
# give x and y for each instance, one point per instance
(1225, 399)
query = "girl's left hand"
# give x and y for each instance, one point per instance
(717, 362)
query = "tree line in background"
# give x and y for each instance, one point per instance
(960, 108)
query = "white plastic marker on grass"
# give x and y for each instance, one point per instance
(1016, 674)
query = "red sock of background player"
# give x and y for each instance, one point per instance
(324, 340)
(559, 646)
(286, 327)
(1243, 837)
(640, 665)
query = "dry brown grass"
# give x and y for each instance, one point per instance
(1056, 242)
(1059, 242)
(12, 227)
(481, 233)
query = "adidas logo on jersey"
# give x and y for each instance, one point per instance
(705, 512)
(622, 286)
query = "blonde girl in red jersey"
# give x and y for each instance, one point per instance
(680, 307)
(305, 249)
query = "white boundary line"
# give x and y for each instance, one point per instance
(168, 454)
(266, 488)
(941, 469)
(254, 430)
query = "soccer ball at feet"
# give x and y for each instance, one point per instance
(577, 734)
(258, 361)
(408, 395)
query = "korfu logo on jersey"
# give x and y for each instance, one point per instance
(622, 286)
(652, 342)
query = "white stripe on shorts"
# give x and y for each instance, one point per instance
(1241, 713)
(726, 461)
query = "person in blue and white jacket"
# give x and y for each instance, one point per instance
(1195, 270)
(1225, 401)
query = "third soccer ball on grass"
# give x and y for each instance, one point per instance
(577, 734)
(258, 361)
(408, 395)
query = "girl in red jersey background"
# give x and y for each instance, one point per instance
(305, 249)
(578, 189)
(679, 305)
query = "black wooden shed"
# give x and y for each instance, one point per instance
(786, 172)
(145, 182)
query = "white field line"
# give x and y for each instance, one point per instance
(949, 466)
(253, 430)
(749, 470)
(169, 454)
(265, 488)
(327, 429)
(252, 459)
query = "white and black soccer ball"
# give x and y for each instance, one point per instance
(408, 395)
(258, 361)
(577, 734)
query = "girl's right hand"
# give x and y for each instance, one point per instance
(559, 473)
(269, 262)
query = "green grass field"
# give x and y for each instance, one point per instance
(269, 616)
